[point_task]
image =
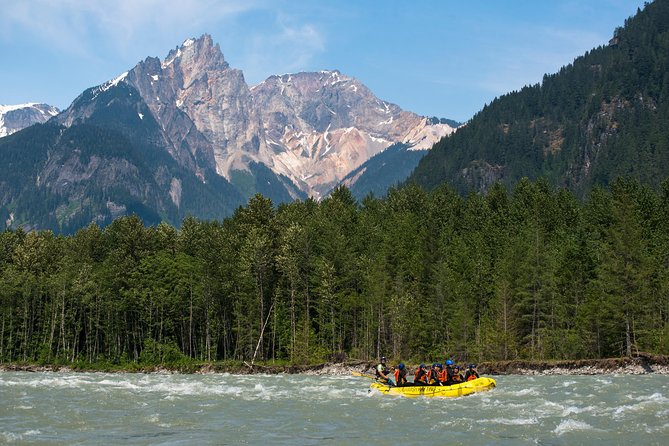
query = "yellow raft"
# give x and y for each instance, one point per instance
(465, 388)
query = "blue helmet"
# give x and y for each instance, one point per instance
(449, 362)
(422, 366)
(401, 366)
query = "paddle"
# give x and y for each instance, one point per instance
(364, 375)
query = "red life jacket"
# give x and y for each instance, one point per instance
(443, 376)
(470, 375)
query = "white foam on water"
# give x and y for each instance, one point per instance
(447, 423)
(262, 392)
(23, 407)
(655, 398)
(546, 408)
(326, 392)
(48, 381)
(527, 392)
(568, 383)
(642, 403)
(604, 381)
(576, 410)
(620, 410)
(118, 384)
(361, 392)
(511, 421)
(571, 426)
(10, 437)
(656, 429)
(13, 437)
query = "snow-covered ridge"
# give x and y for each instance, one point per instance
(7, 108)
(109, 84)
(17, 117)
(114, 82)
(167, 62)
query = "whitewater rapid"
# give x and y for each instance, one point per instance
(164, 409)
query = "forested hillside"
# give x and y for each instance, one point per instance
(535, 273)
(602, 117)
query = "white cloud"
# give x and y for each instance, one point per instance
(75, 26)
(287, 47)
(267, 42)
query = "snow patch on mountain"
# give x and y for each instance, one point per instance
(17, 117)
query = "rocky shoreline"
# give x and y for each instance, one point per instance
(641, 364)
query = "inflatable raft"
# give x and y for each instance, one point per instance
(455, 390)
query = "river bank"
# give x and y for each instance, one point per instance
(638, 365)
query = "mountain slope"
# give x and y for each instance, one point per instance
(601, 117)
(16, 117)
(110, 161)
(383, 171)
(322, 125)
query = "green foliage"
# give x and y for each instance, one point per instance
(531, 273)
(161, 353)
(603, 116)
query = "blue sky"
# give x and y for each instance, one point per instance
(435, 58)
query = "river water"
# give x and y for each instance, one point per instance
(161, 409)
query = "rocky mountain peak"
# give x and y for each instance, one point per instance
(322, 125)
(199, 54)
(312, 128)
(17, 117)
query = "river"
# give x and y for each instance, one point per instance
(162, 409)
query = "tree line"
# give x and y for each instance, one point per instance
(531, 273)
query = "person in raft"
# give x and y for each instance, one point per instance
(382, 371)
(471, 373)
(448, 366)
(420, 377)
(443, 376)
(433, 374)
(456, 377)
(401, 375)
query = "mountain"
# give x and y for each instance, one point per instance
(187, 136)
(321, 126)
(310, 129)
(383, 171)
(64, 177)
(601, 117)
(17, 117)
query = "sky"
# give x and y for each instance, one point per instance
(435, 58)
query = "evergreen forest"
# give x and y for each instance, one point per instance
(529, 273)
(602, 117)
